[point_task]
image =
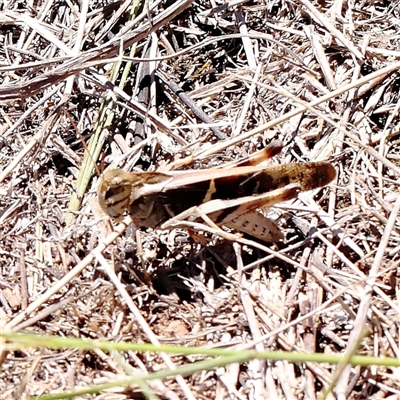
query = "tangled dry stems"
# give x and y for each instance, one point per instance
(322, 80)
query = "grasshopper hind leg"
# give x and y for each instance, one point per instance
(258, 226)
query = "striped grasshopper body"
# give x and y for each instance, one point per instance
(229, 196)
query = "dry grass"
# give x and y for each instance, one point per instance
(323, 81)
